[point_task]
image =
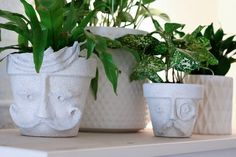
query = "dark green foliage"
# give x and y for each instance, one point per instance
(222, 49)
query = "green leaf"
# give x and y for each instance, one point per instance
(51, 15)
(125, 17)
(196, 32)
(8, 48)
(209, 32)
(153, 12)
(147, 68)
(22, 42)
(94, 85)
(181, 61)
(156, 25)
(147, 1)
(10, 26)
(227, 42)
(223, 67)
(171, 27)
(79, 30)
(70, 18)
(231, 48)
(90, 43)
(39, 41)
(111, 69)
(218, 35)
(14, 17)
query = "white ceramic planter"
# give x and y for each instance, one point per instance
(124, 112)
(215, 113)
(173, 108)
(50, 103)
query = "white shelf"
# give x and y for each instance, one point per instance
(142, 144)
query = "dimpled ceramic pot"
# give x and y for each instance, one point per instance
(124, 112)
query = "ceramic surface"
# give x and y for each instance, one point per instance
(124, 112)
(50, 103)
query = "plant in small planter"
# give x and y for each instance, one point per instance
(215, 114)
(124, 111)
(173, 106)
(50, 80)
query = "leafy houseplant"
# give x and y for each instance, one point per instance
(216, 109)
(175, 56)
(173, 106)
(222, 49)
(53, 26)
(60, 24)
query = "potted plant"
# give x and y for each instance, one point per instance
(215, 114)
(50, 79)
(124, 110)
(173, 106)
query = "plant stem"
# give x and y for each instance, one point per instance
(137, 13)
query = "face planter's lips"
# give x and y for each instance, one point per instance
(178, 125)
(57, 123)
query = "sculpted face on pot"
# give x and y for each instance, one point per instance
(49, 103)
(40, 101)
(175, 117)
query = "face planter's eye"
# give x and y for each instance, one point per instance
(29, 97)
(60, 98)
(186, 110)
(159, 109)
(25, 95)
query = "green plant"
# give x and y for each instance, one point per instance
(170, 51)
(124, 13)
(222, 49)
(56, 24)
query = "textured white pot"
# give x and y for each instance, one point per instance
(124, 112)
(50, 103)
(173, 108)
(215, 113)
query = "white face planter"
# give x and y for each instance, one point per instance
(173, 108)
(50, 103)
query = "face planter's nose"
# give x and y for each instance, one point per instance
(173, 111)
(44, 108)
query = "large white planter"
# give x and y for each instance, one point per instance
(215, 113)
(124, 112)
(50, 103)
(173, 108)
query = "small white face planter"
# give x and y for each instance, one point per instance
(173, 108)
(50, 103)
